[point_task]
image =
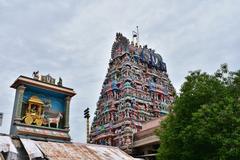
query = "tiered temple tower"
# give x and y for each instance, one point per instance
(41, 109)
(136, 89)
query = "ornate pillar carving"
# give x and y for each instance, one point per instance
(67, 105)
(18, 102)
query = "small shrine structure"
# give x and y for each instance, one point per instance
(41, 108)
(40, 125)
(136, 89)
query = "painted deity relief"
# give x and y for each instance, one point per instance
(39, 113)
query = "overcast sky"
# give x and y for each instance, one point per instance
(72, 39)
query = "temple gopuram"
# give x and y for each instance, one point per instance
(41, 108)
(136, 89)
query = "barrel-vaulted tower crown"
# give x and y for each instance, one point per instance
(143, 54)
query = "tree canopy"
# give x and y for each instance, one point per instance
(205, 122)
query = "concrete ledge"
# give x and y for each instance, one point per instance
(147, 140)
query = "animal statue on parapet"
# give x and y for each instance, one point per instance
(36, 75)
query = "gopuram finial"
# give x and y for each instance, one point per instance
(135, 36)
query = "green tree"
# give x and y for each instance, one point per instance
(205, 122)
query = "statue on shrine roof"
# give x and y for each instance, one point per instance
(36, 75)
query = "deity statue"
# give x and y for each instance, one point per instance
(47, 105)
(59, 82)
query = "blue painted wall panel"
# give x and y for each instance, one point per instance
(57, 100)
